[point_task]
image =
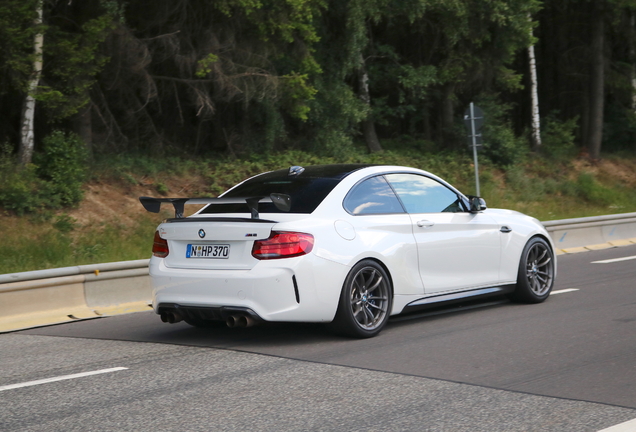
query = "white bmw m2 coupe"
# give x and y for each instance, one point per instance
(348, 245)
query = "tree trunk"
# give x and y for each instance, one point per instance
(632, 58)
(632, 55)
(534, 96)
(597, 81)
(368, 127)
(27, 135)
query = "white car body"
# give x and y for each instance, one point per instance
(427, 256)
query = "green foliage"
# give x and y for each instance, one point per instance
(285, 19)
(619, 131)
(594, 192)
(333, 119)
(501, 145)
(204, 66)
(20, 188)
(64, 223)
(72, 61)
(532, 187)
(297, 92)
(64, 243)
(16, 43)
(55, 181)
(21, 191)
(62, 166)
(265, 75)
(557, 137)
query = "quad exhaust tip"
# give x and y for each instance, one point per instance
(240, 321)
(170, 317)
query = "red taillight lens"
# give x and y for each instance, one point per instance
(283, 245)
(160, 246)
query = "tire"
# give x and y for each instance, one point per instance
(536, 272)
(365, 301)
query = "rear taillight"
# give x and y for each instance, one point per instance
(283, 245)
(160, 246)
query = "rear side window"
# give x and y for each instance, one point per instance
(421, 194)
(372, 196)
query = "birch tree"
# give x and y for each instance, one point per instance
(534, 96)
(27, 135)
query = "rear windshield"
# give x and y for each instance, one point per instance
(306, 191)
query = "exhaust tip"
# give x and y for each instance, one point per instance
(170, 317)
(239, 321)
(246, 321)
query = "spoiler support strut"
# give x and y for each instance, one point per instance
(153, 205)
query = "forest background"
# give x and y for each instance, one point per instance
(105, 90)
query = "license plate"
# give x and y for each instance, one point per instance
(215, 251)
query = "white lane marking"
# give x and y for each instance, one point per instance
(564, 291)
(628, 426)
(614, 260)
(60, 378)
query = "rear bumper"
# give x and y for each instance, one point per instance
(302, 289)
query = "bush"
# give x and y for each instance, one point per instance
(62, 165)
(501, 145)
(594, 192)
(557, 137)
(20, 189)
(55, 181)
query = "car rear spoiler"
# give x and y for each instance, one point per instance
(281, 201)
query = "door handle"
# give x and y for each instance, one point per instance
(425, 223)
(505, 229)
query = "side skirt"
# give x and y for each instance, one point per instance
(457, 297)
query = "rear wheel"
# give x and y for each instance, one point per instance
(365, 301)
(536, 272)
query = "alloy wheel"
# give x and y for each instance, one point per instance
(539, 268)
(369, 298)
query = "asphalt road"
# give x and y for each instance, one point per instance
(568, 364)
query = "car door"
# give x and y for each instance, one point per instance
(456, 249)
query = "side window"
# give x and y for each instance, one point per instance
(421, 194)
(372, 196)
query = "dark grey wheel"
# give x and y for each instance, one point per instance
(365, 301)
(536, 272)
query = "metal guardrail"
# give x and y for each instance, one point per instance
(44, 297)
(571, 235)
(71, 271)
(591, 221)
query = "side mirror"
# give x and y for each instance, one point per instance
(477, 204)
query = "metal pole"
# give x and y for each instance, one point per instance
(472, 129)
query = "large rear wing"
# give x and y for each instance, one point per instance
(281, 201)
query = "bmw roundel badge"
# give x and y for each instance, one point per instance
(201, 233)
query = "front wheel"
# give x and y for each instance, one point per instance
(365, 301)
(536, 272)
